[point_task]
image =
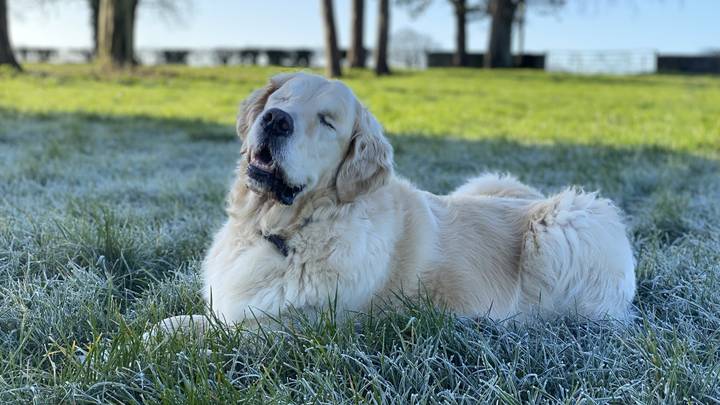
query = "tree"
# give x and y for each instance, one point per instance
(357, 50)
(7, 57)
(94, 13)
(499, 49)
(460, 57)
(113, 26)
(381, 65)
(116, 32)
(332, 54)
(503, 14)
(463, 13)
(122, 26)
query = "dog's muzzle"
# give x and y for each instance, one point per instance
(266, 176)
(264, 170)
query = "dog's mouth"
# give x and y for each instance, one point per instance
(267, 176)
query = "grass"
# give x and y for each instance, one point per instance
(668, 111)
(112, 185)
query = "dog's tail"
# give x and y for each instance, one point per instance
(577, 258)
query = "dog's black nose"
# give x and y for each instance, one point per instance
(276, 122)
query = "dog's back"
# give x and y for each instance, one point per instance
(512, 251)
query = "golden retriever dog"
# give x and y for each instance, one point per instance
(316, 214)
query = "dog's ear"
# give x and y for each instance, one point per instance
(368, 163)
(255, 104)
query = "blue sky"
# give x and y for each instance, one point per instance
(682, 26)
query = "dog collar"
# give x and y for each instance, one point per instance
(279, 243)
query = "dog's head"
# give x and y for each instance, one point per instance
(303, 133)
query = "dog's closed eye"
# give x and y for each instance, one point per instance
(323, 117)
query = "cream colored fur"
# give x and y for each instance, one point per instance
(360, 233)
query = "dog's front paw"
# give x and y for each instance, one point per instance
(191, 325)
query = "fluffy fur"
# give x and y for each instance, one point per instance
(357, 232)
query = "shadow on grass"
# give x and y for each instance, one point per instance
(103, 221)
(627, 175)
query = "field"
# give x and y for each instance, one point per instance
(111, 186)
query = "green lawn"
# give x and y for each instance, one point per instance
(111, 187)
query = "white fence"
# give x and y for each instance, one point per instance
(602, 62)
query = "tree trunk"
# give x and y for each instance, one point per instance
(520, 17)
(116, 32)
(499, 54)
(332, 55)
(94, 13)
(460, 57)
(381, 65)
(357, 51)
(7, 57)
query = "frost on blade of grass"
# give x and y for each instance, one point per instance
(105, 216)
